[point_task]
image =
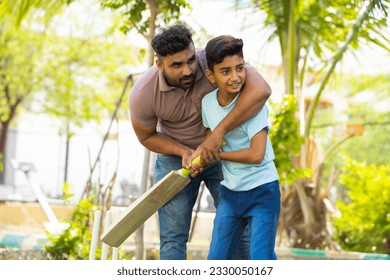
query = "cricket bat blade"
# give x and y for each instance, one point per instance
(143, 208)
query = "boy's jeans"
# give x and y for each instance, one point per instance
(259, 208)
(175, 216)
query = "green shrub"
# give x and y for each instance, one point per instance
(364, 225)
(74, 242)
(286, 140)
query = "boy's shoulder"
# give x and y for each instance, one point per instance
(208, 97)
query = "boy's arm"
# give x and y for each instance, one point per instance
(252, 155)
(197, 169)
(252, 98)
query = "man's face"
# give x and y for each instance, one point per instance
(180, 68)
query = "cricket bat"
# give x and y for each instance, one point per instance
(146, 205)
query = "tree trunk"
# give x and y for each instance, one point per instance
(4, 135)
(3, 143)
(67, 149)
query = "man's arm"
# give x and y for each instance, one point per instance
(160, 143)
(252, 98)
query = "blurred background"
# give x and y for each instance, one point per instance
(67, 147)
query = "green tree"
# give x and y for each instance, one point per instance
(15, 11)
(73, 79)
(368, 94)
(364, 224)
(82, 82)
(12, 13)
(20, 76)
(146, 16)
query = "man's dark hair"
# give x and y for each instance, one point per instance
(220, 47)
(172, 40)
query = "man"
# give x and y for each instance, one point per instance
(165, 108)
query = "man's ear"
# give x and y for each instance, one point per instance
(210, 75)
(159, 64)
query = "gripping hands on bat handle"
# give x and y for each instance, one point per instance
(193, 169)
(197, 164)
(208, 150)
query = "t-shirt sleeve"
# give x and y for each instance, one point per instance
(140, 104)
(257, 123)
(204, 112)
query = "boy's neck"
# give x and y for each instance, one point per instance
(224, 98)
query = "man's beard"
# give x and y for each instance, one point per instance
(184, 82)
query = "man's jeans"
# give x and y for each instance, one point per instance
(175, 216)
(259, 208)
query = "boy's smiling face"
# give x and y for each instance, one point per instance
(229, 75)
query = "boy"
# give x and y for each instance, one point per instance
(249, 193)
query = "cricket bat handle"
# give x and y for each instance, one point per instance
(186, 172)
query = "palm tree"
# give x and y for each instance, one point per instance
(19, 9)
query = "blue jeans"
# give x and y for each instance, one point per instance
(259, 208)
(175, 216)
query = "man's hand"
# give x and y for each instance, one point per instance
(184, 158)
(195, 165)
(196, 168)
(208, 149)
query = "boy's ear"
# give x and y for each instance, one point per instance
(210, 75)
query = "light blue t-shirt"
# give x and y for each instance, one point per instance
(239, 176)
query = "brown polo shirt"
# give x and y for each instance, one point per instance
(173, 111)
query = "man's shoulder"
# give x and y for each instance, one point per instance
(148, 79)
(201, 54)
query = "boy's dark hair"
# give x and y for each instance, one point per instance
(172, 40)
(220, 47)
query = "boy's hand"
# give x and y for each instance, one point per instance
(208, 149)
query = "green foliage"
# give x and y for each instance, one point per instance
(286, 140)
(74, 242)
(71, 77)
(368, 96)
(372, 147)
(324, 32)
(71, 91)
(364, 225)
(20, 73)
(139, 14)
(323, 24)
(19, 9)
